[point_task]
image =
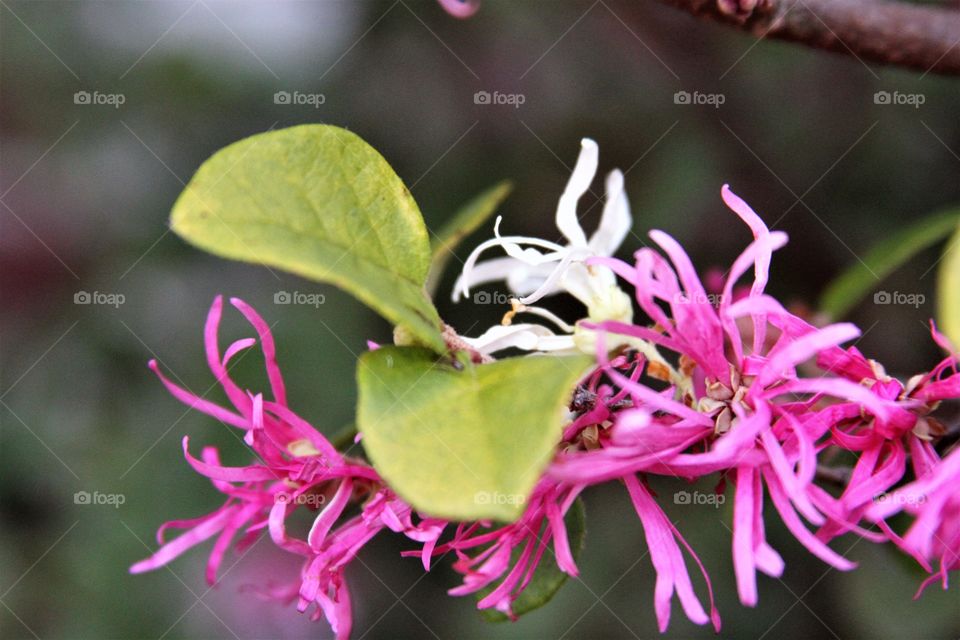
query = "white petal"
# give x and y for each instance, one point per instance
(511, 244)
(550, 285)
(493, 270)
(616, 222)
(466, 276)
(556, 344)
(578, 282)
(578, 185)
(525, 279)
(499, 337)
(548, 315)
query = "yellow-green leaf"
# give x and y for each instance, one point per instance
(318, 201)
(851, 286)
(463, 443)
(948, 290)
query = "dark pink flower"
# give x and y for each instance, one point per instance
(934, 502)
(296, 468)
(722, 391)
(509, 555)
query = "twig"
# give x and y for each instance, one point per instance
(921, 37)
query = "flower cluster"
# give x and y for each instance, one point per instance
(724, 382)
(297, 468)
(719, 381)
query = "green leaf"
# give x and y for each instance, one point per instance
(320, 202)
(465, 221)
(548, 578)
(948, 290)
(859, 280)
(466, 442)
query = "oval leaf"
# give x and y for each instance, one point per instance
(463, 444)
(948, 291)
(320, 202)
(548, 578)
(859, 280)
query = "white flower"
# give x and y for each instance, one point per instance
(544, 268)
(527, 337)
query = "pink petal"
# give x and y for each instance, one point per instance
(267, 346)
(208, 528)
(198, 403)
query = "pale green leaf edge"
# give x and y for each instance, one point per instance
(948, 290)
(858, 280)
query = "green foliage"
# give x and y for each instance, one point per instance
(463, 442)
(851, 286)
(948, 290)
(320, 202)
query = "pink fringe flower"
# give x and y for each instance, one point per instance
(725, 382)
(739, 403)
(298, 468)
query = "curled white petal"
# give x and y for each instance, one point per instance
(520, 336)
(579, 183)
(550, 284)
(547, 315)
(464, 282)
(616, 221)
(535, 268)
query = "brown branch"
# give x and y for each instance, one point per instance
(921, 37)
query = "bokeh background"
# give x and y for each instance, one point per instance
(86, 190)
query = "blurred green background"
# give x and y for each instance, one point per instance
(86, 189)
